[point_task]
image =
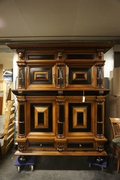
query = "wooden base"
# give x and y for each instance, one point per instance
(64, 153)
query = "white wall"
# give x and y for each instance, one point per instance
(15, 70)
(109, 64)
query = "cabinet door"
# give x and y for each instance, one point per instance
(77, 76)
(41, 115)
(40, 76)
(80, 117)
(37, 117)
(37, 122)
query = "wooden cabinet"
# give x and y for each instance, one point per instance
(61, 98)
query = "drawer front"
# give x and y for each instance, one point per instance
(80, 145)
(41, 145)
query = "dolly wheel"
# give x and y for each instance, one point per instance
(18, 168)
(102, 168)
(90, 165)
(31, 167)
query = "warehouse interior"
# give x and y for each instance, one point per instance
(54, 21)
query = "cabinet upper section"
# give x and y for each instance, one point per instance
(60, 66)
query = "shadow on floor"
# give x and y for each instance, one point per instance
(57, 168)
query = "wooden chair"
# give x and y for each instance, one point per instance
(115, 124)
(1, 137)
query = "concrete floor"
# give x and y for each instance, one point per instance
(57, 168)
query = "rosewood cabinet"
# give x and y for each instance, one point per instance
(61, 98)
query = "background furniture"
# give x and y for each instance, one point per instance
(1, 104)
(5, 94)
(7, 127)
(1, 137)
(115, 124)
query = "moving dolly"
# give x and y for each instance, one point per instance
(98, 161)
(25, 161)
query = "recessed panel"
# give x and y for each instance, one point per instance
(79, 75)
(79, 117)
(80, 56)
(41, 57)
(40, 75)
(41, 117)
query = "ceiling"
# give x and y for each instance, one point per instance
(59, 20)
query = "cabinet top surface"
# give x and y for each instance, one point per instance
(100, 46)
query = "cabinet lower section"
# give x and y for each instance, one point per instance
(61, 146)
(66, 146)
(61, 125)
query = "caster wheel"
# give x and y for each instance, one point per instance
(31, 167)
(18, 169)
(102, 169)
(90, 165)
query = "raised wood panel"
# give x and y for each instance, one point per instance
(41, 119)
(80, 116)
(40, 76)
(79, 76)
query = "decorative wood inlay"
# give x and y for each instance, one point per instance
(101, 55)
(41, 76)
(60, 147)
(60, 55)
(79, 76)
(83, 117)
(21, 54)
(41, 122)
(21, 146)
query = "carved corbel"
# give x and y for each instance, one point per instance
(101, 55)
(21, 58)
(21, 146)
(60, 147)
(21, 54)
(100, 148)
(59, 55)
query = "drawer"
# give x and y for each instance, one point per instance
(80, 145)
(41, 145)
